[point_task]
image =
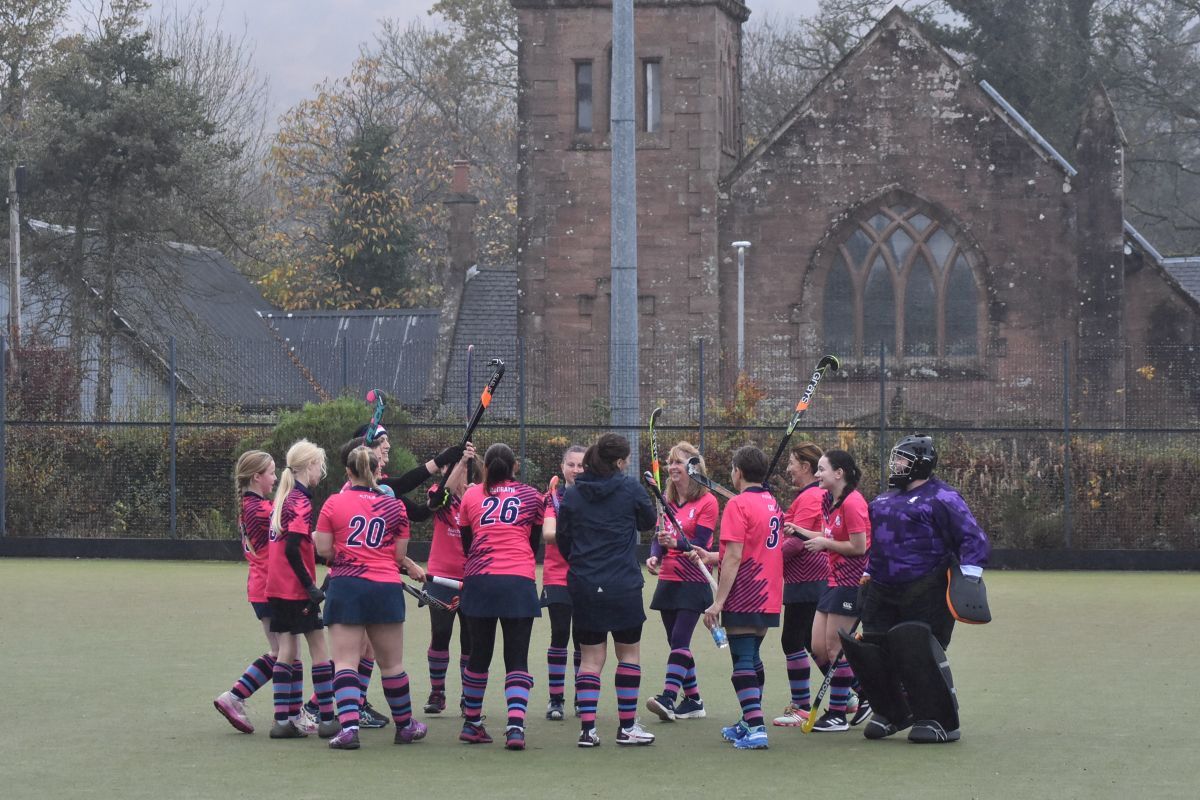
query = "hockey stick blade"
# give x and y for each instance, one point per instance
(828, 363)
(699, 477)
(374, 396)
(654, 462)
(485, 400)
(424, 598)
(684, 545)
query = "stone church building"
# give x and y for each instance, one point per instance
(901, 202)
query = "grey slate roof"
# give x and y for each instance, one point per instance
(487, 319)
(1186, 271)
(387, 349)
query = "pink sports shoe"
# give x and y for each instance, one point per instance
(234, 710)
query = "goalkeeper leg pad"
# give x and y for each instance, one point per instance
(924, 670)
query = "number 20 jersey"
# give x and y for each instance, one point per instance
(365, 527)
(500, 524)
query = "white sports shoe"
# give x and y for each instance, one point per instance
(793, 717)
(635, 734)
(306, 723)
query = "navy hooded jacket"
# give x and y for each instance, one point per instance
(598, 524)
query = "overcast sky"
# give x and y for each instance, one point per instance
(299, 43)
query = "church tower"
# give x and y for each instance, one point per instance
(688, 54)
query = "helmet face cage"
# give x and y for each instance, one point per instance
(919, 459)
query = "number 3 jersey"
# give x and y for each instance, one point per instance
(754, 519)
(365, 527)
(500, 524)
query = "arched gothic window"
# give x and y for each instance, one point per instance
(901, 277)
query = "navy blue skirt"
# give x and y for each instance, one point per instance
(499, 596)
(358, 601)
(261, 610)
(743, 619)
(839, 600)
(685, 595)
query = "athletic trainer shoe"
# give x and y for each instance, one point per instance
(690, 709)
(347, 739)
(635, 734)
(862, 714)
(286, 730)
(589, 738)
(328, 728)
(554, 710)
(514, 738)
(234, 710)
(663, 706)
(436, 703)
(793, 717)
(831, 722)
(879, 727)
(852, 703)
(307, 725)
(473, 733)
(370, 718)
(930, 731)
(412, 732)
(737, 730)
(755, 739)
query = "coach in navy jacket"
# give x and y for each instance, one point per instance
(598, 524)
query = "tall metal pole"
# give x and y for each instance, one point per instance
(3, 434)
(16, 176)
(623, 386)
(172, 435)
(1067, 488)
(741, 328)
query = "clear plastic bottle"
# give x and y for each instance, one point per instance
(720, 638)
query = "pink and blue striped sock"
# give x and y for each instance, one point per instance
(366, 666)
(322, 678)
(296, 697)
(749, 695)
(517, 686)
(281, 675)
(255, 677)
(691, 685)
(474, 687)
(399, 698)
(439, 663)
(839, 687)
(628, 682)
(556, 669)
(587, 696)
(347, 693)
(799, 673)
(677, 670)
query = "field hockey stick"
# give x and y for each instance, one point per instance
(654, 465)
(825, 684)
(693, 471)
(485, 398)
(374, 396)
(684, 544)
(827, 363)
(424, 598)
(450, 583)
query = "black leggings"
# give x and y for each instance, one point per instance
(560, 624)
(797, 626)
(679, 623)
(483, 642)
(441, 624)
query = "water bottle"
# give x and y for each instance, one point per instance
(720, 638)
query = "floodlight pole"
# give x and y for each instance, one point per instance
(741, 246)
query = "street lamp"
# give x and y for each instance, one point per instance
(741, 328)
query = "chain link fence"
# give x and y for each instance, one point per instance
(1047, 456)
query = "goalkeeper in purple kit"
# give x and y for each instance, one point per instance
(919, 528)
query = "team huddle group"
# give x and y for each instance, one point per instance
(826, 563)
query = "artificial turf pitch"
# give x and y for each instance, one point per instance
(1083, 686)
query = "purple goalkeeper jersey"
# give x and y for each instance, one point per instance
(910, 531)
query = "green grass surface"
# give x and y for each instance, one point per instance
(1082, 687)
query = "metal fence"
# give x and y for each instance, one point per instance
(1043, 461)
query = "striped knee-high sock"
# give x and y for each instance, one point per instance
(749, 695)
(474, 687)
(587, 696)
(439, 663)
(577, 660)
(517, 686)
(760, 671)
(691, 685)
(399, 698)
(463, 661)
(628, 681)
(255, 676)
(839, 687)
(322, 678)
(556, 669)
(366, 666)
(799, 673)
(281, 675)
(296, 697)
(677, 669)
(347, 693)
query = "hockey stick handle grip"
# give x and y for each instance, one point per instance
(684, 544)
(448, 582)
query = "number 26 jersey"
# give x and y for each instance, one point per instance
(500, 524)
